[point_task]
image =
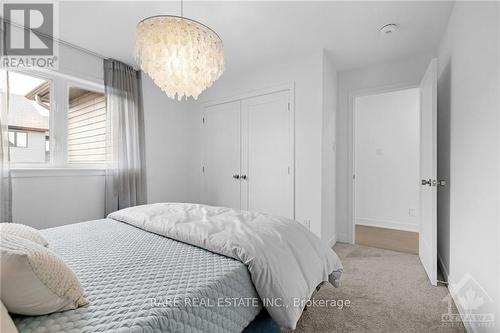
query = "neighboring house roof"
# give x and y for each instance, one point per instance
(27, 114)
(41, 94)
(31, 112)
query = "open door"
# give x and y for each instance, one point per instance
(428, 172)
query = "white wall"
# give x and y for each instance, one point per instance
(387, 159)
(397, 73)
(468, 108)
(50, 198)
(307, 75)
(76, 63)
(329, 92)
(169, 145)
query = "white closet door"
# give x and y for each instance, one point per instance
(222, 155)
(267, 154)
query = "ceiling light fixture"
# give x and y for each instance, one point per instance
(182, 56)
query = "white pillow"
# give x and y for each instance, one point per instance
(6, 323)
(34, 280)
(23, 231)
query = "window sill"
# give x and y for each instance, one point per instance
(56, 172)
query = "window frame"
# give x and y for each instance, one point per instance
(58, 120)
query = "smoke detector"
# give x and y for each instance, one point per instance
(389, 29)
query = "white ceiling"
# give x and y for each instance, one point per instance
(257, 32)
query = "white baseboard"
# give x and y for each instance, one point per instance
(386, 224)
(332, 241)
(468, 327)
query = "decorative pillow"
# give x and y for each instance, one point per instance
(23, 231)
(34, 280)
(6, 323)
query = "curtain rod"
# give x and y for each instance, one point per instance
(58, 40)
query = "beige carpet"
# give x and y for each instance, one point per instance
(389, 292)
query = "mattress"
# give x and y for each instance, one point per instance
(136, 281)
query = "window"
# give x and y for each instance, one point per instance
(86, 126)
(55, 121)
(18, 139)
(28, 118)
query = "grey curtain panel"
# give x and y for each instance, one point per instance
(125, 174)
(5, 179)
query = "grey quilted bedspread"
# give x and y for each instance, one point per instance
(138, 281)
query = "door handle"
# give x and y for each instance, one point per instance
(244, 177)
(426, 182)
(432, 182)
(236, 176)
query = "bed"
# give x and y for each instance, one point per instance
(173, 267)
(130, 275)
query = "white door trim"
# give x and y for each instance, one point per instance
(290, 87)
(351, 135)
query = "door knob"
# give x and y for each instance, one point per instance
(236, 176)
(244, 177)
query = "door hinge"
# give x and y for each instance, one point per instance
(203, 119)
(353, 176)
(289, 106)
(203, 169)
(288, 170)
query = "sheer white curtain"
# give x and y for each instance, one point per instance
(125, 175)
(5, 179)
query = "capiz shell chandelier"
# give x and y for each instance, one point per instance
(182, 56)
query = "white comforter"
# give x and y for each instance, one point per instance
(285, 260)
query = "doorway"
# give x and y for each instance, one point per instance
(386, 169)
